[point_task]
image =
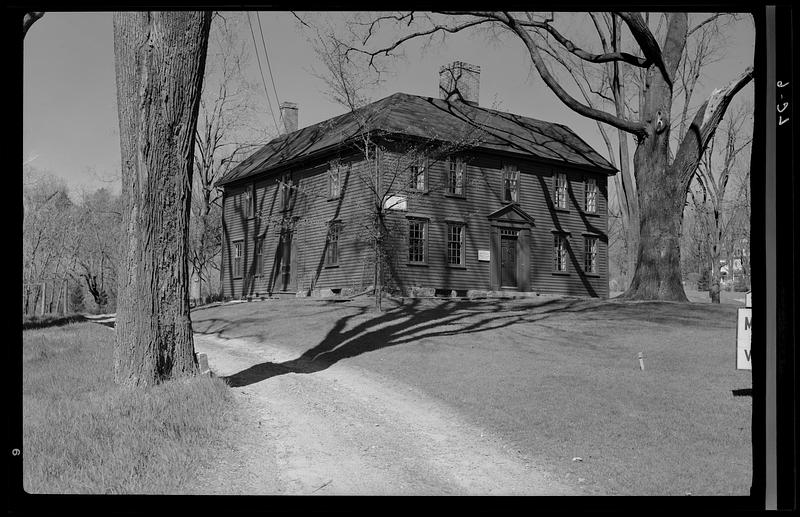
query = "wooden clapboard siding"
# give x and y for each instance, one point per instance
(313, 211)
(484, 196)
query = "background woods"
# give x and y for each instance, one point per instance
(70, 248)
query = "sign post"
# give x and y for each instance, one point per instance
(743, 333)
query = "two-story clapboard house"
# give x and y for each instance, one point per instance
(471, 199)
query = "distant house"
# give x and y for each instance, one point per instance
(475, 199)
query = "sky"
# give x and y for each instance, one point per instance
(70, 125)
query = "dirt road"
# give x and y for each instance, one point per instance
(350, 431)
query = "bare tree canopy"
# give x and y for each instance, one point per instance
(661, 176)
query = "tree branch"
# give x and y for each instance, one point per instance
(647, 42)
(436, 28)
(635, 128)
(586, 56)
(704, 22)
(705, 122)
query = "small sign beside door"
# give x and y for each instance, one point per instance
(484, 255)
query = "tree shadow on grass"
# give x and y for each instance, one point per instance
(408, 323)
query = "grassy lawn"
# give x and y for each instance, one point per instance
(83, 434)
(557, 378)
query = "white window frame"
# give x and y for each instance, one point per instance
(334, 230)
(560, 186)
(590, 195)
(456, 177)
(511, 181)
(419, 170)
(423, 239)
(462, 242)
(560, 254)
(237, 257)
(335, 181)
(590, 254)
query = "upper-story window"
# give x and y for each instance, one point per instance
(560, 193)
(590, 195)
(285, 189)
(335, 180)
(456, 175)
(419, 175)
(510, 183)
(249, 200)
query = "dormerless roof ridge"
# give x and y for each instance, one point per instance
(427, 118)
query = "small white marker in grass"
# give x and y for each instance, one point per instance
(641, 361)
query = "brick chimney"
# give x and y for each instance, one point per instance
(289, 117)
(460, 81)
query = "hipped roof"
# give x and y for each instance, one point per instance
(431, 119)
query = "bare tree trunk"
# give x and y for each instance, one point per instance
(661, 196)
(160, 58)
(714, 287)
(661, 199)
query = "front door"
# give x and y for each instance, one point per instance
(508, 261)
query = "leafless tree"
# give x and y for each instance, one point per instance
(160, 60)
(49, 237)
(228, 128)
(99, 223)
(391, 162)
(717, 211)
(661, 176)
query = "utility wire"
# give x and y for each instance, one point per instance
(269, 68)
(263, 81)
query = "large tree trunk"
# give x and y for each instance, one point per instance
(160, 58)
(661, 197)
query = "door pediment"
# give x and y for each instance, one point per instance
(512, 213)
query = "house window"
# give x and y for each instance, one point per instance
(335, 181)
(259, 255)
(559, 252)
(237, 259)
(560, 195)
(456, 171)
(285, 191)
(249, 201)
(510, 183)
(417, 241)
(419, 175)
(590, 255)
(590, 195)
(332, 249)
(455, 244)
